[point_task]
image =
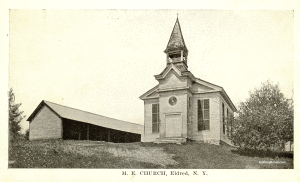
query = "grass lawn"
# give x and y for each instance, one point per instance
(92, 154)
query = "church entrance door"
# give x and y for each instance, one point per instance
(173, 125)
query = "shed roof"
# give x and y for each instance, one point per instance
(87, 117)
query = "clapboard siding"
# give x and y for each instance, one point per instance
(148, 135)
(46, 125)
(212, 135)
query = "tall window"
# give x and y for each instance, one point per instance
(228, 123)
(155, 118)
(227, 112)
(203, 114)
(223, 117)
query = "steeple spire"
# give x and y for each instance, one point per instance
(176, 49)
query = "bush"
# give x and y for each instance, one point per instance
(26, 135)
(265, 120)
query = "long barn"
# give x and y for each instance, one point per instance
(53, 121)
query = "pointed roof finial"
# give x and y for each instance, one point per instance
(176, 41)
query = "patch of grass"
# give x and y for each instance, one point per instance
(53, 154)
(207, 156)
(194, 155)
(92, 154)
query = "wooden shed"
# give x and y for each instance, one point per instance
(54, 121)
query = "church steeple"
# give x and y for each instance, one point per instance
(176, 50)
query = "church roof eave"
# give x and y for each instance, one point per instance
(228, 100)
(200, 81)
(149, 92)
(219, 89)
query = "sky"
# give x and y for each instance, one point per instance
(101, 61)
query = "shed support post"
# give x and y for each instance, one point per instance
(62, 129)
(79, 133)
(108, 137)
(88, 132)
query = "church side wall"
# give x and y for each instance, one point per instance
(224, 136)
(45, 125)
(213, 134)
(148, 135)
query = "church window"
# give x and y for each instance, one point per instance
(189, 102)
(227, 112)
(203, 114)
(223, 117)
(228, 122)
(155, 118)
(172, 101)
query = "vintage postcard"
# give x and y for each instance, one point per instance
(151, 94)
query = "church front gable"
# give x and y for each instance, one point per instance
(172, 81)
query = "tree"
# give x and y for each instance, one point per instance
(26, 135)
(15, 116)
(265, 120)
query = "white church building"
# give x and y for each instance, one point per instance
(183, 106)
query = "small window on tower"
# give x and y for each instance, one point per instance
(175, 55)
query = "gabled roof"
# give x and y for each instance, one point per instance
(167, 70)
(149, 92)
(178, 72)
(176, 41)
(219, 89)
(208, 84)
(87, 117)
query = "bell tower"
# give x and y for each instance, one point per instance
(176, 50)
